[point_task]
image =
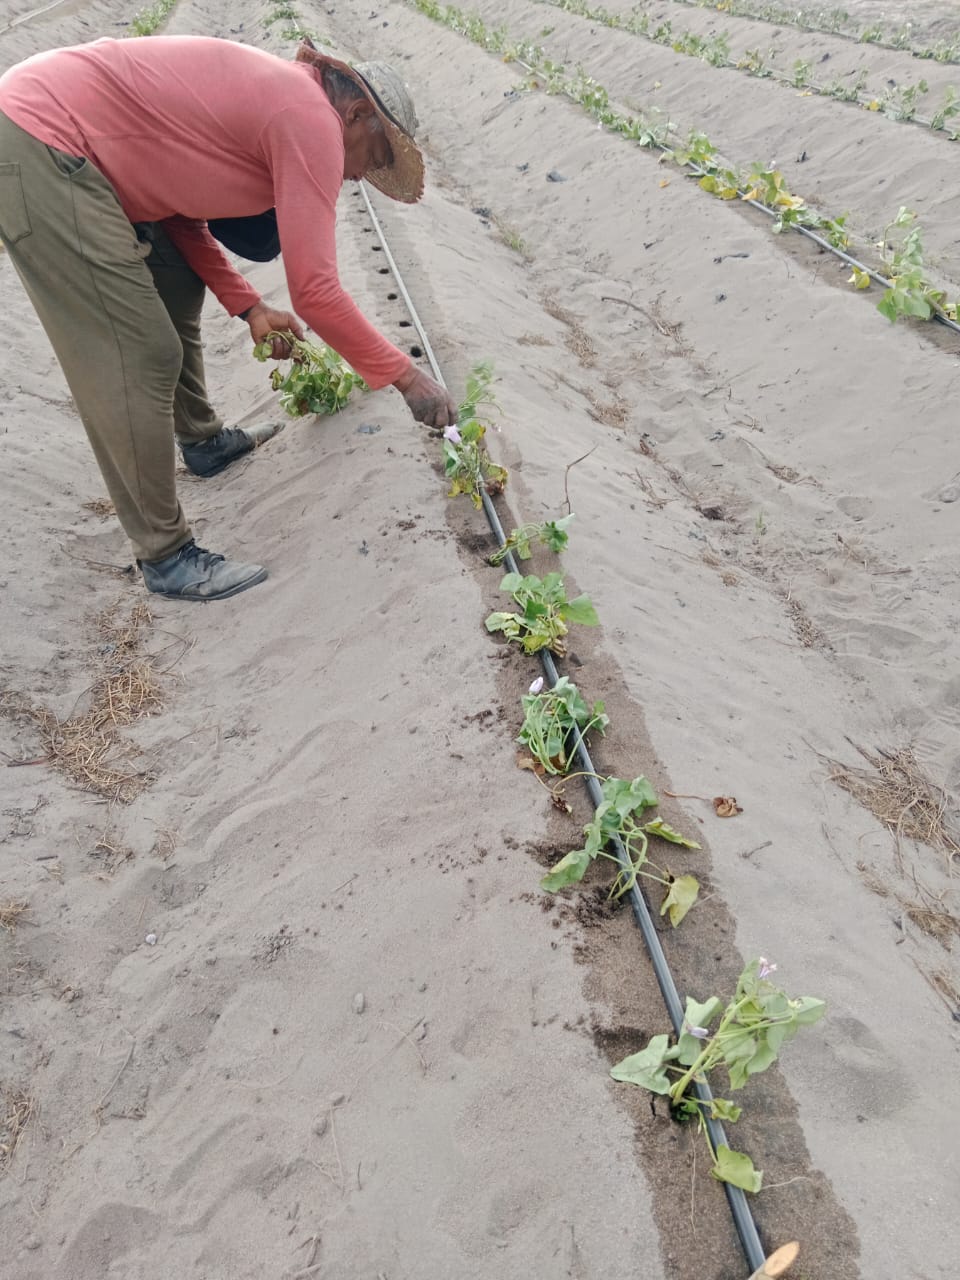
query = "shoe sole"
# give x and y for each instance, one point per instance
(221, 595)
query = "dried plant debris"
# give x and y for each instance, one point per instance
(87, 746)
(101, 507)
(898, 794)
(11, 910)
(17, 1109)
(110, 853)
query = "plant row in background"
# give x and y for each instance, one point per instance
(146, 21)
(293, 28)
(837, 22)
(907, 289)
(897, 102)
(759, 1018)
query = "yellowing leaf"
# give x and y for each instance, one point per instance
(664, 182)
(873, 104)
(860, 279)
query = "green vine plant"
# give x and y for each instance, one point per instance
(757, 1021)
(620, 815)
(554, 723)
(550, 533)
(544, 613)
(318, 380)
(466, 462)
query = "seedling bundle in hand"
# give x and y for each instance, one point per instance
(757, 1021)
(318, 380)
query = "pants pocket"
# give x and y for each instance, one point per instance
(66, 163)
(14, 219)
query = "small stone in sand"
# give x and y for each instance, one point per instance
(359, 1003)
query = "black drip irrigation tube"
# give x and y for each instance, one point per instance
(739, 1208)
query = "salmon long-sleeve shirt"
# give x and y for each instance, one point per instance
(188, 128)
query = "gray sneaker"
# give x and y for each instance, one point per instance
(195, 574)
(210, 457)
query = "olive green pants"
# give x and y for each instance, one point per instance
(123, 316)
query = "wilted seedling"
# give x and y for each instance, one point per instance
(466, 462)
(551, 533)
(617, 817)
(555, 721)
(545, 612)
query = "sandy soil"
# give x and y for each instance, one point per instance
(324, 815)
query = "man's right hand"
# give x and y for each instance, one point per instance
(429, 403)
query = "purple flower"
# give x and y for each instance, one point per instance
(452, 434)
(698, 1033)
(537, 685)
(766, 968)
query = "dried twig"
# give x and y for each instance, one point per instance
(566, 476)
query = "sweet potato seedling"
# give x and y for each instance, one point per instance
(466, 462)
(545, 612)
(551, 533)
(757, 1021)
(624, 803)
(555, 721)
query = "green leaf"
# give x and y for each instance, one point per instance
(580, 611)
(569, 870)
(701, 1013)
(512, 582)
(646, 1068)
(888, 307)
(679, 898)
(554, 533)
(808, 1010)
(629, 797)
(721, 1109)
(657, 827)
(736, 1168)
(697, 1014)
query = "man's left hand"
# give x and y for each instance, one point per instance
(263, 320)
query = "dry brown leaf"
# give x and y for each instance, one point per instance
(726, 806)
(527, 762)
